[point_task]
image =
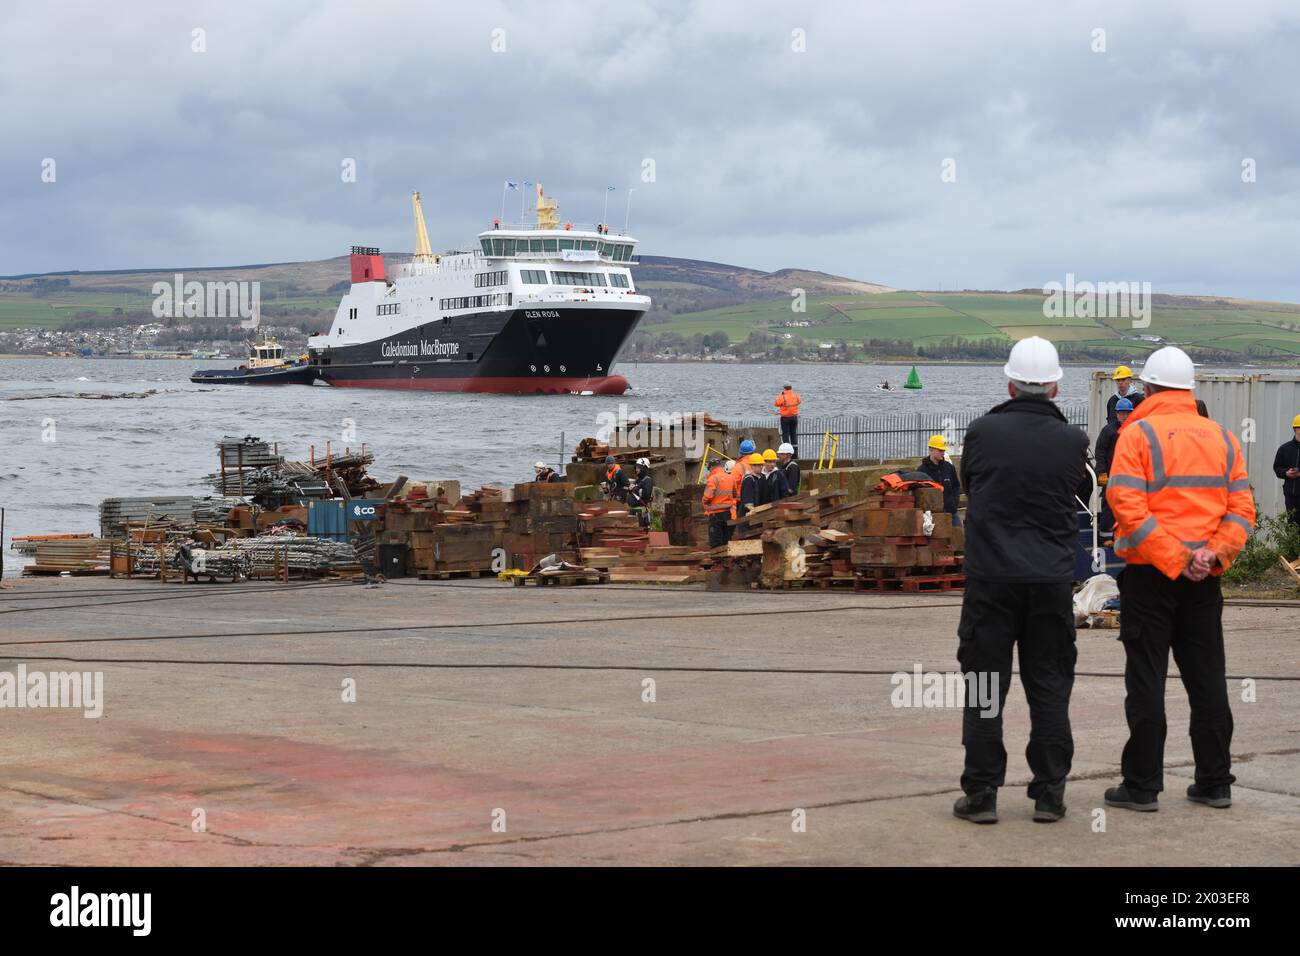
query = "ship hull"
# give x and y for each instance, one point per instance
(521, 351)
(292, 375)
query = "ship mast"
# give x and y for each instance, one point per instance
(422, 251)
(548, 211)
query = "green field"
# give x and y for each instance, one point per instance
(19, 310)
(922, 318)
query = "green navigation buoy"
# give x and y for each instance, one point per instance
(913, 380)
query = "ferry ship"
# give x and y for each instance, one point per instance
(542, 307)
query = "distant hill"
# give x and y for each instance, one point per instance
(675, 286)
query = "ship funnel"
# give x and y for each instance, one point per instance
(367, 265)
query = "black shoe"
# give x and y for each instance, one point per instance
(978, 808)
(1049, 808)
(1218, 797)
(1142, 800)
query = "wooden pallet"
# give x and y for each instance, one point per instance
(913, 584)
(567, 578)
(455, 573)
(822, 583)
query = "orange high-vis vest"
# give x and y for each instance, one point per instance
(718, 493)
(1178, 482)
(738, 473)
(788, 403)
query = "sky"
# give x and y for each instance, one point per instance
(945, 144)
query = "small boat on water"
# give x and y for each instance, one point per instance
(266, 365)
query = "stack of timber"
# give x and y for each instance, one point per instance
(466, 540)
(73, 555)
(684, 517)
(543, 520)
(655, 561)
(904, 541)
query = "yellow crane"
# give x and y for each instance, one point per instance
(422, 251)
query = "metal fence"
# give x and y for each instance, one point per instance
(889, 436)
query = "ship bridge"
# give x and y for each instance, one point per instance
(568, 243)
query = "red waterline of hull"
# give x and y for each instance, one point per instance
(501, 385)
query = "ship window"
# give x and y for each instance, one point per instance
(589, 244)
(496, 247)
(487, 246)
(566, 243)
(509, 247)
(533, 276)
(548, 245)
(618, 279)
(534, 245)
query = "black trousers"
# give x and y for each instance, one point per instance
(719, 530)
(790, 431)
(1039, 619)
(1186, 616)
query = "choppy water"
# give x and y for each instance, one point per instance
(59, 457)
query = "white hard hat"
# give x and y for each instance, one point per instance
(1169, 367)
(1033, 361)
(785, 448)
(728, 465)
(643, 461)
(539, 465)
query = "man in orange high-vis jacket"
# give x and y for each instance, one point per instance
(718, 500)
(1183, 507)
(787, 403)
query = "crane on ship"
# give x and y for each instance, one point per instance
(422, 251)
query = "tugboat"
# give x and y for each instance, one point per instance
(538, 307)
(266, 365)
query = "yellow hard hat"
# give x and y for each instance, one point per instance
(1295, 422)
(1122, 372)
(769, 455)
(756, 459)
(936, 441)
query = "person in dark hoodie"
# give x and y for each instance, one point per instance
(938, 469)
(1102, 455)
(1286, 465)
(642, 491)
(1022, 466)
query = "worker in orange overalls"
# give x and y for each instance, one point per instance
(787, 403)
(718, 500)
(1183, 508)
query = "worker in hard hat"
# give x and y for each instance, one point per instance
(718, 500)
(640, 492)
(786, 462)
(1286, 465)
(1183, 510)
(1022, 466)
(1102, 455)
(787, 403)
(1123, 379)
(941, 471)
(751, 486)
(774, 486)
(616, 482)
(544, 472)
(739, 470)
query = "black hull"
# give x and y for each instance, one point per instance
(295, 375)
(517, 351)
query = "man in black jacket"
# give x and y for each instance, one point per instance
(1123, 379)
(1022, 466)
(1102, 455)
(939, 470)
(1286, 465)
(785, 461)
(642, 491)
